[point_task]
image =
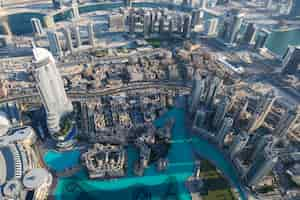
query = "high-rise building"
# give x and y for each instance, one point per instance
(171, 26)
(57, 4)
(249, 37)
(291, 60)
(51, 88)
(260, 144)
(199, 119)
(294, 10)
(261, 38)
(152, 22)
(220, 113)
(286, 122)
(239, 142)
(76, 32)
(128, 3)
(187, 26)
(214, 86)
(233, 23)
(179, 23)
(91, 34)
(224, 130)
(54, 43)
(131, 22)
(116, 23)
(261, 111)
(75, 10)
(261, 166)
(68, 37)
(269, 4)
(147, 21)
(198, 90)
(161, 27)
(211, 27)
(196, 17)
(37, 26)
(203, 4)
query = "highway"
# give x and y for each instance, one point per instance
(82, 95)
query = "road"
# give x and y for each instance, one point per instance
(80, 95)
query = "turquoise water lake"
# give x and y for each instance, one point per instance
(153, 185)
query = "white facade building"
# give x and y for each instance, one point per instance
(51, 88)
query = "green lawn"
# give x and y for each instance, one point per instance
(154, 42)
(217, 187)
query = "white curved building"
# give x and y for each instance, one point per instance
(51, 88)
(17, 161)
(4, 124)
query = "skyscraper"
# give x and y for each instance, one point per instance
(161, 26)
(77, 36)
(51, 88)
(261, 166)
(187, 26)
(131, 22)
(68, 37)
(91, 34)
(291, 60)
(294, 8)
(224, 130)
(220, 113)
(147, 24)
(214, 86)
(261, 111)
(239, 142)
(285, 123)
(54, 42)
(198, 90)
(57, 4)
(127, 3)
(211, 27)
(249, 37)
(233, 23)
(195, 17)
(261, 38)
(260, 144)
(37, 26)
(75, 10)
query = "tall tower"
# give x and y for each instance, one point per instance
(198, 90)
(233, 22)
(91, 34)
(211, 27)
(239, 142)
(285, 123)
(262, 36)
(220, 113)
(75, 10)
(261, 166)
(37, 26)
(68, 37)
(261, 111)
(224, 130)
(214, 86)
(77, 36)
(187, 26)
(147, 23)
(249, 37)
(54, 42)
(131, 22)
(260, 144)
(291, 60)
(51, 88)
